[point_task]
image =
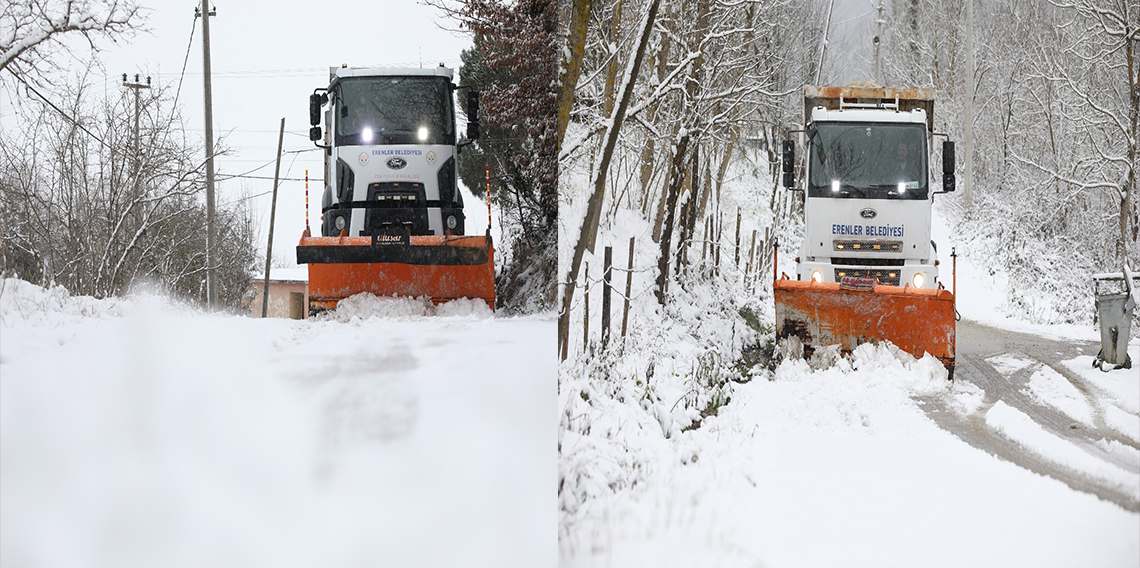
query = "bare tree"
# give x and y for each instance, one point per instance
(712, 70)
(1055, 133)
(78, 211)
(514, 63)
(33, 32)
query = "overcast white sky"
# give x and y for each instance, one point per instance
(266, 58)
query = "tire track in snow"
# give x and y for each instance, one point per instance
(977, 343)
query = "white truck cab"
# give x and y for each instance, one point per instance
(867, 187)
(391, 151)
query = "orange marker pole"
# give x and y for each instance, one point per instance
(306, 201)
(488, 200)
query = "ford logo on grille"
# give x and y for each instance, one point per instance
(397, 163)
(867, 213)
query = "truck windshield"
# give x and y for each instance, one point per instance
(868, 160)
(394, 110)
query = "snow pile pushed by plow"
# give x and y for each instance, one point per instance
(142, 433)
(362, 307)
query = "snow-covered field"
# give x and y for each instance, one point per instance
(672, 455)
(140, 432)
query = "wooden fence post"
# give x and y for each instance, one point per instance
(628, 288)
(607, 277)
(717, 229)
(736, 254)
(705, 247)
(751, 256)
(586, 311)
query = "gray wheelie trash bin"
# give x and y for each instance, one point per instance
(1114, 310)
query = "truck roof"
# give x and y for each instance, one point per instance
(913, 116)
(868, 95)
(345, 72)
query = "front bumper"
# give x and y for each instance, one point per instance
(883, 274)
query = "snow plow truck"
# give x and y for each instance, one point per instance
(392, 221)
(867, 270)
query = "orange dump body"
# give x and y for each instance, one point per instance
(443, 268)
(916, 320)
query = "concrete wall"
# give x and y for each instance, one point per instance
(281, 302)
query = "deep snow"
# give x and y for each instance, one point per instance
(140, 432)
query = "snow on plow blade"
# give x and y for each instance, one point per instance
(444, 268)
(916, 320)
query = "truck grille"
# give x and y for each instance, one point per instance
(867, 246)
(887, 276)
(396, 203)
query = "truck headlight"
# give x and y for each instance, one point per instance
(816, 276)
(918, 280)
(451, 222)
(339, 222)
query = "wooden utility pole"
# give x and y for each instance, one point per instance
(877, 41)
(272, 218)
(823, 43)
(211, 276)
(136, 86)
(136, 161)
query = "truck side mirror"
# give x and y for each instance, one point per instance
(947, 165)
(315, 133)
(789, 163)
(472, 114)
(473, 105)
(316, 101)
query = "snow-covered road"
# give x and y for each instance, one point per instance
(1043, 407)
(141, 433)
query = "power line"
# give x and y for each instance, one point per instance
(185, 60)
(60, 111)
(223, 177)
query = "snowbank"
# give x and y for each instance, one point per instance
(24, 303)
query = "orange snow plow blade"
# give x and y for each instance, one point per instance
(916, 320)
(444, 268)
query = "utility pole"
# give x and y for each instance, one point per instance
(877, 40)
(136, 161)
(823, 42)
(211, 280)
(272, 218)
(969, 142)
